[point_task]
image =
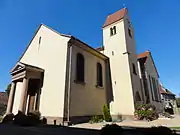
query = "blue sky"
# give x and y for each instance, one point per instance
(156, 24)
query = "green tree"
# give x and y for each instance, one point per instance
(8, 89)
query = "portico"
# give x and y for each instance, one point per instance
(31, 78)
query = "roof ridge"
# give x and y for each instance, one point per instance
(117, 11)
(114, 17)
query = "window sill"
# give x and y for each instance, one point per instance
(79, 82)
(100, 87)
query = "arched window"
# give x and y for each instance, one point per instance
(137, 96)
(134, 69)
(99, 75)
(80, 67)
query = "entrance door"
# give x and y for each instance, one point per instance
(33, 89)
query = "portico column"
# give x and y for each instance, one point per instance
(11, 98)
(23, 99)
(37, 99)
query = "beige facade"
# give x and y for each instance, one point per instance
(47, 50)
(92, 97)
(150, 80)
(67, 80)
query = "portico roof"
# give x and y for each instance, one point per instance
(22, 66)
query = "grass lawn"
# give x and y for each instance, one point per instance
(178, 128)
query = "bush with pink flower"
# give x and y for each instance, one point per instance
(145, 112)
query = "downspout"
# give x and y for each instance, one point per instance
(69, 83)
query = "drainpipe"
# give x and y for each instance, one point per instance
(69, 83)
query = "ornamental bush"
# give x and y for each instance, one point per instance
(100, 118)
(145, 111)
(96, 119)
(106, 114)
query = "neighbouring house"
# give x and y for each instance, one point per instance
(69, 81)
(168, 99)
(3, 98)
(149, 78)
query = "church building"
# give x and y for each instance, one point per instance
(68, 80)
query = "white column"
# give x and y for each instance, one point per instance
(37, 100)
(11, 98)
(27, 104)
(23, 99)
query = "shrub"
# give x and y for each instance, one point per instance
(2, 109)
(111, 129)
(32, 119)
(145, 111)
(21, 119)
(8, 118)
(99, 118)
(96, 119)
(106, 114)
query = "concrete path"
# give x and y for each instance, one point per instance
(86, 128)
(175, 122)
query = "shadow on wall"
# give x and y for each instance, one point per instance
(110, 96)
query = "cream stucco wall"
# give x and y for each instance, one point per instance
(114, 47)
(87, 99)
(17, 97)
(50, 54)
(150, 70)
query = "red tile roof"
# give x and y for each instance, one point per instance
(3, 98)
(162, 91)
(115, 17)
(143, 55)
(100, 48)
(165, 91)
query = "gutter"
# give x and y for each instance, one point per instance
(69, 84)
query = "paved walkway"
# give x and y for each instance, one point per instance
(175, 122)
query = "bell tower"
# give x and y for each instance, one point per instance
(119, 46)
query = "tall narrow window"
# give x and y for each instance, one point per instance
(130, 32)
(114, 29)
(134, 69)
(158, 91)
(155, 89)
(39, 40)
(80, 67)
(150, 83)
(111, 31)
(99, 75)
